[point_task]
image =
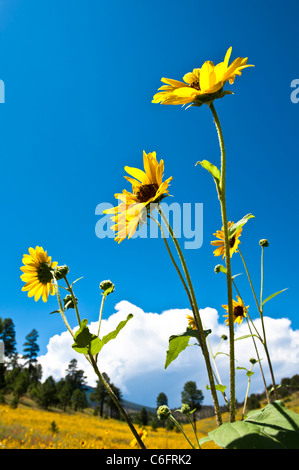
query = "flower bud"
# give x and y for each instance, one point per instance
(264, 242)
(60, 272)
(224, 337)
(253, 361)
(217, 268)
(105, 285)
(163, 412)
(68, 301)
(185, 409)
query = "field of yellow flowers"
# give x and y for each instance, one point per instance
(27, 428)
(31, 428)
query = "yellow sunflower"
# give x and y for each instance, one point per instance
(147, 187)
(38, 277)
(233, 242)
(203, 85)
(142, 434)
(239, 311)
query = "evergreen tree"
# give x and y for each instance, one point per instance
(100, 394)
(31, 349)
(114, 412)
(47, 393)
(79, 400)
(8, 336)
(21, 384)
(75, 377)
(162, 400)
(193, 397)
(64, 393)
(143, 416)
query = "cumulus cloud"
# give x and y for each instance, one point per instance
(135, 360)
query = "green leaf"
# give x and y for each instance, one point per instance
(273, 427)
(219, 387)
(177, 344)
(245, 336)
(213, 170)
(113, 334)
(86, 342)
(233, 228)
(273, 295)
(54, 311)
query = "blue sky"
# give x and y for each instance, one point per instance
(79, 81)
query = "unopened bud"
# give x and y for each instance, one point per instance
(185, 409)
(69, 302)
(60, 272)
(105, 285)
(163, 412)
(264, 242)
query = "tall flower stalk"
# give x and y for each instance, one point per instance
(197, 318)
(222, 199)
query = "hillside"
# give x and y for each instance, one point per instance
(28, 427)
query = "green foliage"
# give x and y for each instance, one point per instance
(213, 170)
(177, 344)
(54, 428)
(233, 228)
(273, 427)
(87, 343)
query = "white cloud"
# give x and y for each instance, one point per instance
(135, 360)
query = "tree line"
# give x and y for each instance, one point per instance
(21, 374)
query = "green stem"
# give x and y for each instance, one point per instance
(61, 309)
(70, 289)
(254, 343)
(197, 319)
(222, 199)
(116, 401)
(194, 430)
(260, 310)
(181, 429)
(174, 262)
(246, 396)
(101, 313)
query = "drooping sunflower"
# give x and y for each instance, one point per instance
(203, 85)
(233, 242)
(239, 311)
(38, 273)
(191, 322)
(147, 187)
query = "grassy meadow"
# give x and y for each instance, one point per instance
(27, 427)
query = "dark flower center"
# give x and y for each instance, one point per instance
(44, 273)
(232, 241)
(238, 311)
(195, 85)
(146, 192)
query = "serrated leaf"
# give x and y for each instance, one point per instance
(213, 170)
(273, 295)
(233, 228)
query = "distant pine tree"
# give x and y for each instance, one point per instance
(31, 349)
(8, 336)
(75, 377)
